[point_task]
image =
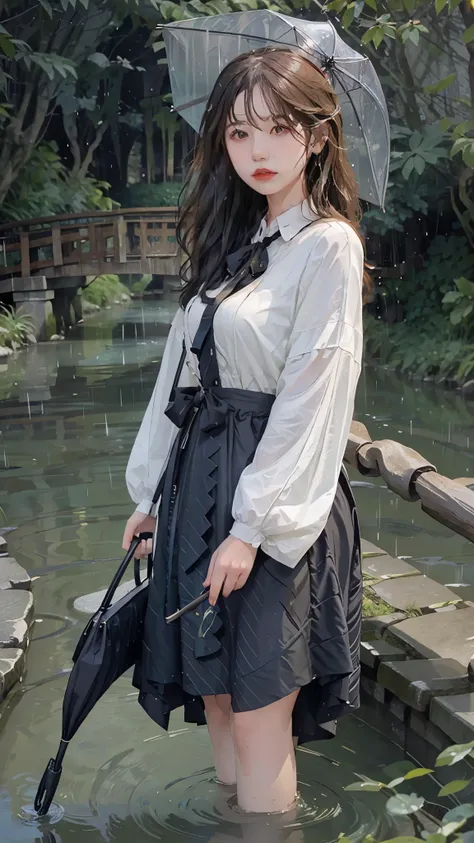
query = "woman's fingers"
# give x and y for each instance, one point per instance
(143, 549)
(217, 581)
(210, 570)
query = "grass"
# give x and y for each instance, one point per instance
(16, 328)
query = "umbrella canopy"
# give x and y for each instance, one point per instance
(109, 645)
(198, 49)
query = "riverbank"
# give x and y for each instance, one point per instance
(427, 354)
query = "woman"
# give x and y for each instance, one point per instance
(254, 503)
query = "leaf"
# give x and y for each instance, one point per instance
(465, 287)
(439, 5)
(468, 35)
(403, 804)
(408, 168)
(420, 771)
(452, 754)
(418, 164)
(6, 46)
(370, 786)
(457, 784)
(348, 16)
(47, 7)
(396, 782)
(372, 4)
(450, 828)
(437, 87)
(99, 59)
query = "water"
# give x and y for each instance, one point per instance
(69, 412)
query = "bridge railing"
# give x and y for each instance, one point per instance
(87, 239)
(409, 475)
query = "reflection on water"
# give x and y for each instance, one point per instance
(69, 412)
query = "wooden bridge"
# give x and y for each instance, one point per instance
(122, 242)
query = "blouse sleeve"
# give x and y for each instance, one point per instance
(284, 496)
(157, 433)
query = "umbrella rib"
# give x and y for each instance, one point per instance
(365, 139)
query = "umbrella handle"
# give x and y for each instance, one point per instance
(108, 597)
(49, 781)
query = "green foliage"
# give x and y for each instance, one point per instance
(446, 258)
(421, 353)
(461, 301)
(408, 805)
(165, 194)
(140, 285)
(104, 290)
(420, 158)
(45, 187)
(16, 328)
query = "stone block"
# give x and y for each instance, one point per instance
(89, 603)
(374, 652)
(33, 295)
(420, 592)
(368, 547)
(12, 664)
(417, 682)
(16, 613)
(378, 625)
(455, 716)
(12, 575)
(422, 726)
(23, 284)
(447, 635)
(384, 567)
(373, 689)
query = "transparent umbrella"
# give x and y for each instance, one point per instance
(198, 49)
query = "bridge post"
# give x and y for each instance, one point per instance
(32, 295)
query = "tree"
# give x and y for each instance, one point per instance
(48, 52)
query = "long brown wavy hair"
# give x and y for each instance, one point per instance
(221, 212)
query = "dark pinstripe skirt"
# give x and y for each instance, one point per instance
(287, 628)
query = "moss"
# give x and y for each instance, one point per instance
(373, 606)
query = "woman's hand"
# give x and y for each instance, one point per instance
(139, 523)
(229, 568)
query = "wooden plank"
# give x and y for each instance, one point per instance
(25, 253)
(120, 246)
(92, 231)
(57, 245)
(144, 238)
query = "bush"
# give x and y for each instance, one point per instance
(45, 188)
(16, 328)
(165, 194)
(408, 805)
(104, 290)
(140, 285)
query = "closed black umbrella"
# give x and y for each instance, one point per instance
(109, 645)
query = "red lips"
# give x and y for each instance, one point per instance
(264, 173)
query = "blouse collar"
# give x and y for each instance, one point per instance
(290, 222)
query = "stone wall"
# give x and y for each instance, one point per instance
(416, 660)
(16, 618)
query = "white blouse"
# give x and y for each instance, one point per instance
(295, 332)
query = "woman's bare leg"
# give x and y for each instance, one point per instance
(218, 716)
(265, 757)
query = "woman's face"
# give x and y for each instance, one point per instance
(272, 147)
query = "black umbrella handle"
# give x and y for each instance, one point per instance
(109, 595)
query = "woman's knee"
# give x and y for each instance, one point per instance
(252, 728)
(217, 705)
